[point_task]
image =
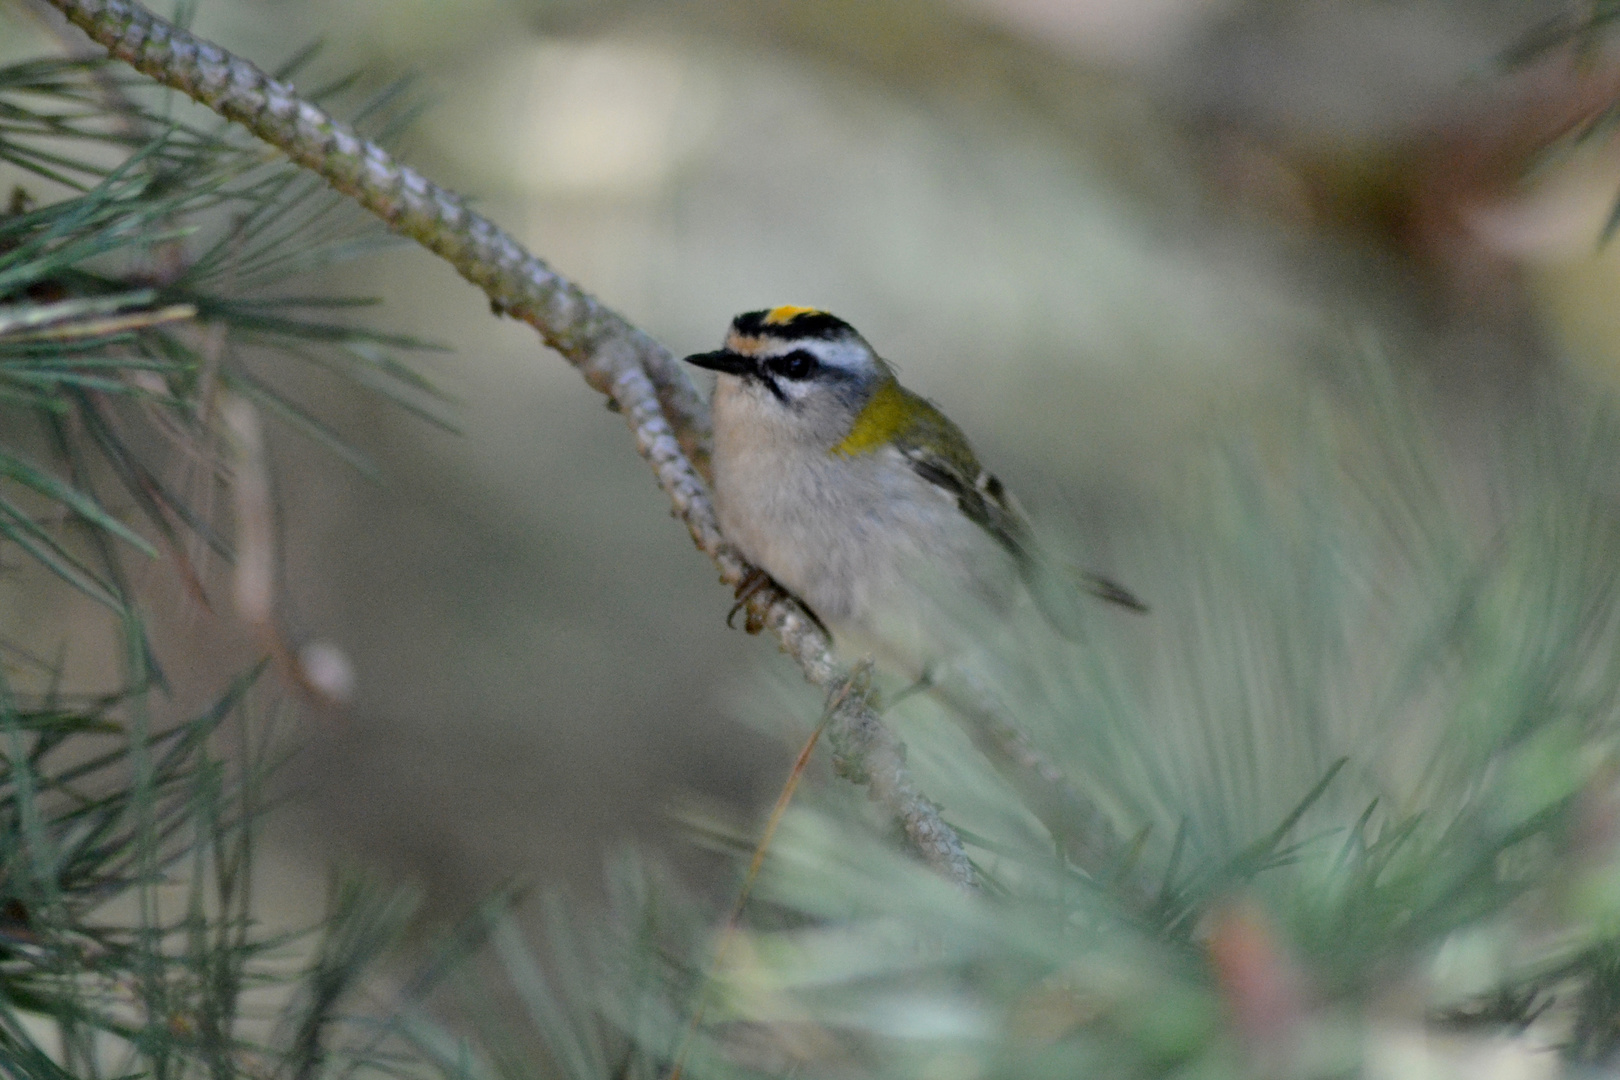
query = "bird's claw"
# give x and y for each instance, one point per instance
(755, 582)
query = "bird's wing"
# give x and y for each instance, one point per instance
(939, 453)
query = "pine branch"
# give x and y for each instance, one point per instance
(667, 417)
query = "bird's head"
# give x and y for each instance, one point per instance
(798, 367)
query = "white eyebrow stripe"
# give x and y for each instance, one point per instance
(831, 354)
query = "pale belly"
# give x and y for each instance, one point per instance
(884, 558)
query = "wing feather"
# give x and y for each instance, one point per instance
(939, 453)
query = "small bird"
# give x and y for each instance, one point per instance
(862, 499)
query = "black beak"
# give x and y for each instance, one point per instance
(725, 361)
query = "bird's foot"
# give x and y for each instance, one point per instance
(757, 581)
(753, 583)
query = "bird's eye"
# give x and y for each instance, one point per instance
(795, 365)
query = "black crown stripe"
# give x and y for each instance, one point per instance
(803, 326)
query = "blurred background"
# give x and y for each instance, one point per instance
(1099, 233)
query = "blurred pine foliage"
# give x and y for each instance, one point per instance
(1362, 769)
(141, 262)
(1361, 765)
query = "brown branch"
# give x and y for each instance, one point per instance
(1082, 830)
(666, 415)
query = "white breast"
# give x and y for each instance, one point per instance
(883, 557)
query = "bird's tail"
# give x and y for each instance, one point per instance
(1112, 591)
(1059, 594)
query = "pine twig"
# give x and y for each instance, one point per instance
(866, 752)
(1079, 827)
(859, 683)
(667, 416)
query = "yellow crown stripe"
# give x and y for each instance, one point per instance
(787, 313)
(877, 424)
